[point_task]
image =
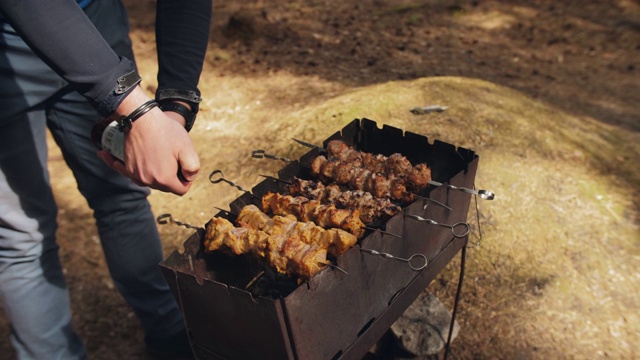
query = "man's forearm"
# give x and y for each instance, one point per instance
(62, 35)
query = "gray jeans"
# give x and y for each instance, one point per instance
(32, 287)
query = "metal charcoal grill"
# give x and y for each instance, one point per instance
(334, 315)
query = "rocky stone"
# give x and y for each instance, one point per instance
(424, 327)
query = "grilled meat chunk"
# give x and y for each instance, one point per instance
(392, 176)
(306, 210)
(222, 235)
(370, 208)
(288, 254)
(337, 241)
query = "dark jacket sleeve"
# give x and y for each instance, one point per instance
(62, 35)
(182, 35)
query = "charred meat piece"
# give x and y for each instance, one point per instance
(371, 208)
(363, 169)
(339, 149)
(290, 255)
(308, 210)
(398, 165)
(419, 177)
(287, 253)
(343, 173)
(251, 216)
(318, 163)
(222, 235)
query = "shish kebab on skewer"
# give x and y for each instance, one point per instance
(333, 208)
(304, 209)
(396, 165)
(393, 176)
(290, 246)
(337, 241)
(288, 255)
(371, 209)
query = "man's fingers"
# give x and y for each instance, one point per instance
(187, 176)
(119, 166)
(189, 166)
(172, 168)
(106, 157)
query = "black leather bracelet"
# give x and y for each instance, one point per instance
(125, 122)
(188, 115)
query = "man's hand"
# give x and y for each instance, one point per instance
(156, 148)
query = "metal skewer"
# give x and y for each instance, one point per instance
(320, 262)
(168, 219)
(383, 231)
(333, 267)
(304, 143)
(409, 260)
(253, 281)
(453, 227)
(260, 154)
(433, 201)
(220, 178)
(418, 196)
(365, 227)
(276, 179)
(483, 194)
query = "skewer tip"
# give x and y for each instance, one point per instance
(334, 267)
(384, 232)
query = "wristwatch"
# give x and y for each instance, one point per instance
(188, 115)
(167, 99)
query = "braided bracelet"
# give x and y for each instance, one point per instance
(125, 122)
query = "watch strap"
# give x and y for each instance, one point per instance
(188, 96)
(188, 115)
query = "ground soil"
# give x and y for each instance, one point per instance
(268, 60)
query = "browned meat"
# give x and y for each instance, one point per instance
(371, 208)
(291, 247)
(338, 149)
(288, 254)
(341, 173)
(392, 176)
(318, 163)
(398, 165)
(328, 169)
(287, 224)
(419, 177)
(359, 178)
(397, 188)
(307, 210)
